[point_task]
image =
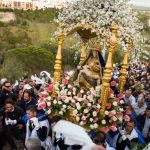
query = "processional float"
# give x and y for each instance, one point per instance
(85, 34)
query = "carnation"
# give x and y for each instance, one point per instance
(61, 113)
(121, 102)
(83, 118)
(114, 118)
(49, 111)
(91, 126)
(77, 119)
(103, 121)
(55, 101)
(64, 106)
(48, 103)
(94, 113)
(86, 111)
(95, 125)
(91, 119)
(106, 112)
(115, 103)
(98, 106)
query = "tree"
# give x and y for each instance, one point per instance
(30, 59)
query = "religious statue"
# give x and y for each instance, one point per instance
(89, 73)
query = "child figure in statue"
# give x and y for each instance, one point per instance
(89, 73)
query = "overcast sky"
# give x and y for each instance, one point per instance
(141, 2)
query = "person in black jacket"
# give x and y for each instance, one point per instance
(144, 124)
(5, 93)
(27, 100)
(12, 122)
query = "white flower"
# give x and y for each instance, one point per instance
(103, 121)
(59, 102)
(91, 126)
(67, 77)
(114, 112)
(121, 102)
(69, 86)
(61, 113)
(98, 106)
(48, 103)
(95, 125)
(74, 89)
(86, 111)
(112, 96)
(75, 112)
(106, 112)
(49, 112)
(81, 123)
(83, 118)
(121, 109)
(81, 91)
(120, 119)
(77, 119)
(84, 96)
(49, 98)
(55, 101)
(64, 106)
(114, 118)
(94, 113)
(69, 93)
(115, 103)
(89, 104)
(66, 100)
(91, 119)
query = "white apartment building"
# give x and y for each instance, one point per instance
(33, 4)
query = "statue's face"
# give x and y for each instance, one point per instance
(94, 53)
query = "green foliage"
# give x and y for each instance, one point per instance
(30, 59)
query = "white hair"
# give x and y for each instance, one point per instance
(33, 144)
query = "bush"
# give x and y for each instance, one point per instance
(30, 59)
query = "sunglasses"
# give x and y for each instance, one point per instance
(7, 86)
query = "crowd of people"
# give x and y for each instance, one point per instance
(20, 119)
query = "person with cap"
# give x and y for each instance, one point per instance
(67, 135)
(144, 124)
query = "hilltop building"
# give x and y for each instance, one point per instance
(32, 4)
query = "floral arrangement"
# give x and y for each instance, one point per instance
(84, 105)
(100, 14)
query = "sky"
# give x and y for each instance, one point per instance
(145, 3)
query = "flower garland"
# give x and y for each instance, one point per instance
(85, 105)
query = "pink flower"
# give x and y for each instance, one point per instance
(41, 105)
(113, 128)
(99, 101)
(49, 88)
(95, 120)
(126, 118)
(88, 115)
(108, 105)
(73, 104)
(63, 98)
(86, 101)
(120, 114)
(111, 120)
(120, 95)
(105, 129)
(65, 81)
(79, 95)
(84, 122)
(88, 92)
(111, 92)
(110, 114)
(117, 99)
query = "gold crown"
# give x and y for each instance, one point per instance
(95, 45)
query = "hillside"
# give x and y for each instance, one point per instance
(37, 28)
